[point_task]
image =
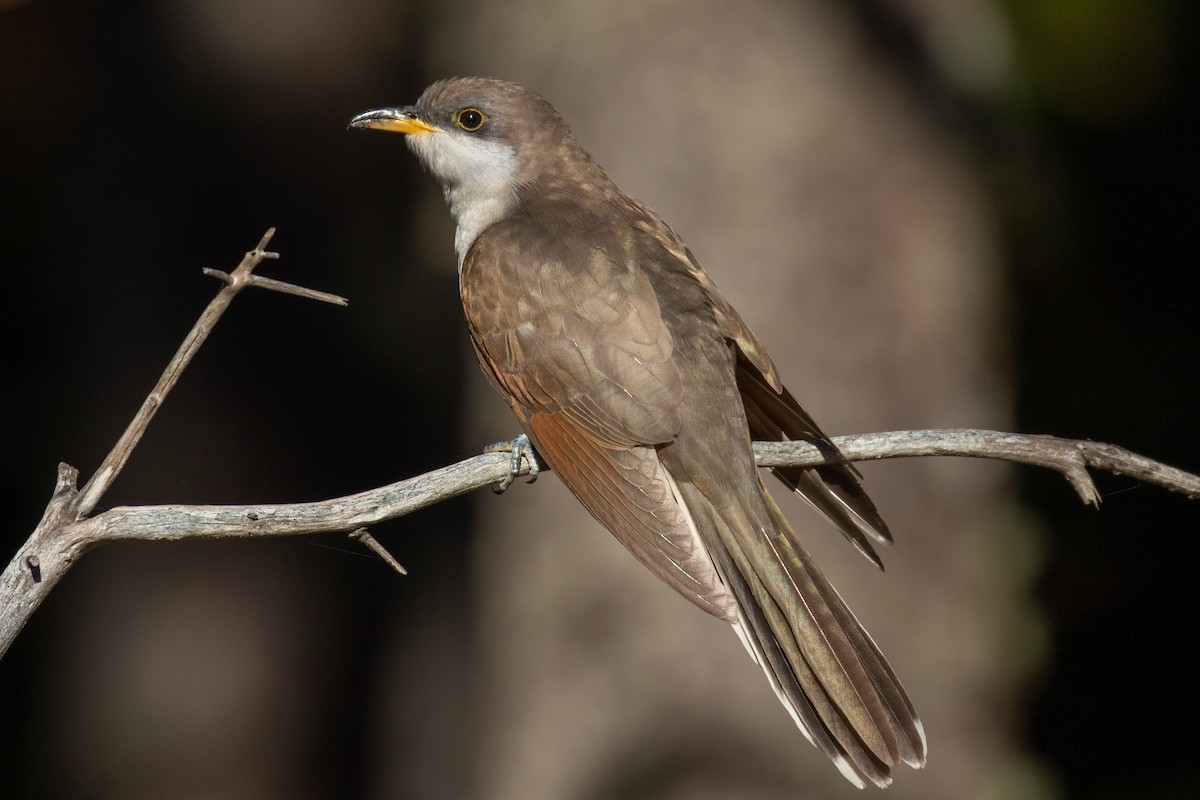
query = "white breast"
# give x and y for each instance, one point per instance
(477, 178)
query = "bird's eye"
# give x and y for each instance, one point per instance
(470, 119)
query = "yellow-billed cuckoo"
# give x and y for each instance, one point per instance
(642, 388)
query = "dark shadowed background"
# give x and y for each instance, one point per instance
(936, 214)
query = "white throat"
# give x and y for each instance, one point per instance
(477, 178)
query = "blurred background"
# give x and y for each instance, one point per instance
(935, 214)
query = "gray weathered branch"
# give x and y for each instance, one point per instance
(60, 539)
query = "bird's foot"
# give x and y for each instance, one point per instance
(520, 447)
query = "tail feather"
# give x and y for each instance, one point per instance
(901, 717)
(800, 691)
(912, 745)
(820, 662)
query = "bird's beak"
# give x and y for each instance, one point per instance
(398, 120)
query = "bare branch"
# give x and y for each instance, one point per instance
(61, 539)
(239, 279)
(1071, 457)
(55, 545)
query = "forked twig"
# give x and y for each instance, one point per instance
(242, 277)
(42, 561)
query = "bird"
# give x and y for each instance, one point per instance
(642, 389)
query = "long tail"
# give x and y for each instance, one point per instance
(819, 660)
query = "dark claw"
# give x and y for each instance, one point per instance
(520, 447)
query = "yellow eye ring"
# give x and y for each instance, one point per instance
(470, 119)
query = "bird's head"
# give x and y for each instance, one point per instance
(484, 140)
(480, 132)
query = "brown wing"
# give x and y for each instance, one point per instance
(730, 322)
(627, 490)
(774, 415)
(573, 338)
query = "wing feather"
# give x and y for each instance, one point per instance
(628, 492)
(833, 489)
(576, 343)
